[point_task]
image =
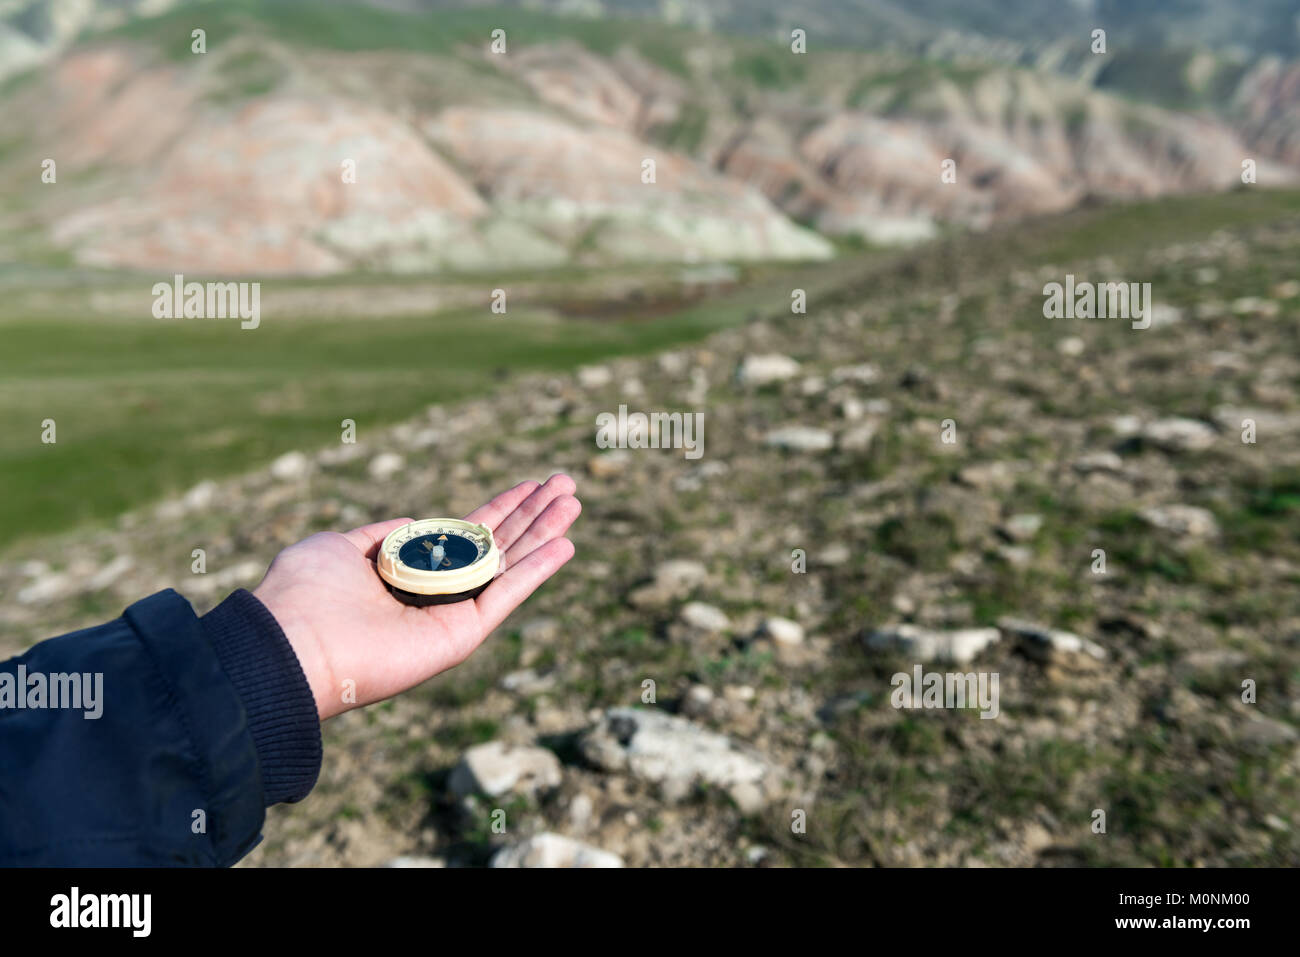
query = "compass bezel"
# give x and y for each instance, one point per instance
(421, 586)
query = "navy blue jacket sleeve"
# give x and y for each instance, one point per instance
(155, 739)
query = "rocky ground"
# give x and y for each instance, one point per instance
(689, 690)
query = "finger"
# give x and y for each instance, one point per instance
(368, 538)
(518, 521)
(506, 593)
(552, 523)
(494, 511)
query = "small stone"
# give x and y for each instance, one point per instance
(761, 370)
(697, 700)
(680, 572)
(110, 573)
(1180, 435)
(1052, 645)
(800, 438)
(1098, 462)
(417, 862)
(859, 438)
(290, 466)
(609, 464)
(959, 645)
(863, 374)
(593, 377)
(43, 590)
(386, 465)
(1163, 314)
(1186, 520)
(677, 755)
(836, 553)
(1071, 346)
(1022, 528)
(1260, 734)
(705, 618)
(783, 631)
(200, 496)
(987, 476)
(554, 850)
(1254, 305)
(498, 768)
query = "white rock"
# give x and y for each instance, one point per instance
(763, 369)
(1023, 527)
(1163, 314)
(782, 630)
(705, 617)
(1098, 462)
(959, 645)
(554, 850)
(676, 754)
(498, 768)
(537, 630)
(111, 572)
(593, 377)
(864, 374)
(860, 437)
(697, 700)
(1186, 520)
(1051, 644)
(417, 862)
(1180, 435)
(386, 465)
(290, 466)
(800, 438)
(200, 496)
(44, 589)
(680, 572)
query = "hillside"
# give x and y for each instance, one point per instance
(231, 162)
(1120, 690)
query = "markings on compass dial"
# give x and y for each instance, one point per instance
(439, 550)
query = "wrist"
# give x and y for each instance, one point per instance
(278, 700)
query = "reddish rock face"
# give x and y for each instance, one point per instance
(469, 161)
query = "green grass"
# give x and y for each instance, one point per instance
(146, 408)
(353, 28)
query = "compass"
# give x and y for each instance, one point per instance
(436, 561)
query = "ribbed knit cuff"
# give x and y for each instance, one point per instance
(282, 719)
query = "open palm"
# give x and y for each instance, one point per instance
(358, 644)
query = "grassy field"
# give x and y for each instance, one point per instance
(147, 407)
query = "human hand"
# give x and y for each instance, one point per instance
(344, 625)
